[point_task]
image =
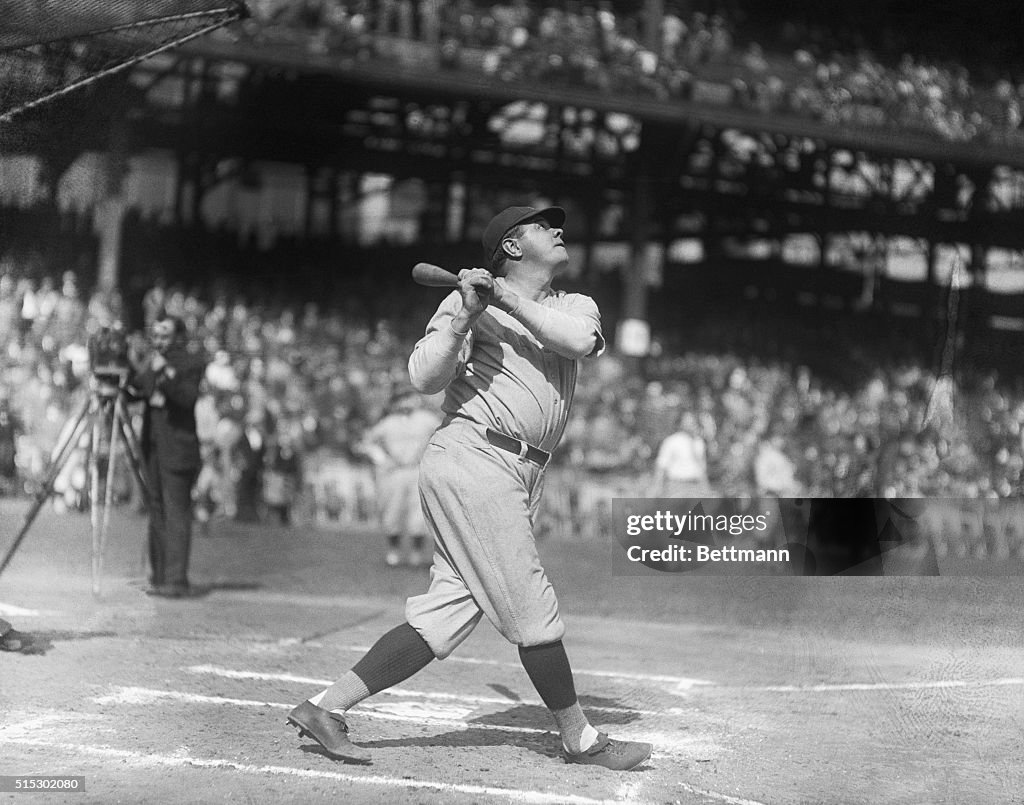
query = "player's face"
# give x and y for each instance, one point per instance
(542, 241)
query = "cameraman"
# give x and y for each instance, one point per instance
(167, 379)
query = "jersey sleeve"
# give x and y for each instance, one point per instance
(585, 309)
(439, 355)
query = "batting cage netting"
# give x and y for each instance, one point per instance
(51, 47)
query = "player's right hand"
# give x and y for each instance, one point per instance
(476, 285)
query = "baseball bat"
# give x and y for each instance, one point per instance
(433, 276)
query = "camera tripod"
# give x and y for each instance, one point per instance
(104, 416)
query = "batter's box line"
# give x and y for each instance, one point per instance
(682, 682)
(230, 673)
(11, 611)
(667, 743)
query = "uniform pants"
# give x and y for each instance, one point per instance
(401, 512)
(479, 503)
(170, 521)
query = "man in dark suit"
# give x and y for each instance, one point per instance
(167, 379)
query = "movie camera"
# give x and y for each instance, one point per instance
(103, 427)
(109, 363)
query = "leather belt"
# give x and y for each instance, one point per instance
(517, 446)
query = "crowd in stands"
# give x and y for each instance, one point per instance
(872, 440)
(281, 388)
(700, 53)
(289, 393)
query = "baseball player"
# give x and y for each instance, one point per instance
(396, 445)
(504, 347)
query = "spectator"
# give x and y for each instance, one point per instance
(10, 431)
(774, 471)
(681, 466)
(247, 457)
(154, 302)
(282, 477)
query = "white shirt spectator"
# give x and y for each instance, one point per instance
(682, 458)
(220, 374)
(774, 471)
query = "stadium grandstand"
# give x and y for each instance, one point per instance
(802, 227)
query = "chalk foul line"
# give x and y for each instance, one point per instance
(187, 761)
(894, 686)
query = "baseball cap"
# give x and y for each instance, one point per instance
(511, 217)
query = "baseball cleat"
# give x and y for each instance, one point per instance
(612, 754)
(327, 729)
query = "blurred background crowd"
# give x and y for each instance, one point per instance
(292, 386)
(811, 65)
(290, 392)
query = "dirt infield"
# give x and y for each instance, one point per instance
(753, 689)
